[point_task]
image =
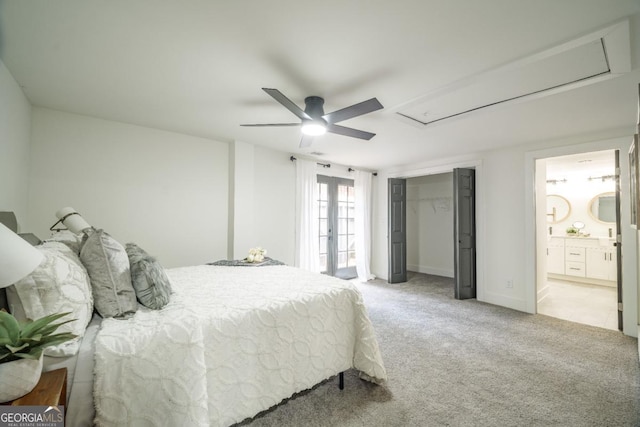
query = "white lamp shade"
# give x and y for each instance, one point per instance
(17, 257)
(73, 221)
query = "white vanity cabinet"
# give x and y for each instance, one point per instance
(602, 263)
(555, 255)
(589, 259)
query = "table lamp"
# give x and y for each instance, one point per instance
(17, 257)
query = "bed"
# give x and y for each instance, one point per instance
(231, 342)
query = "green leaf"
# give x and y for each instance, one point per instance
(35, 326)
(49, 329)
(11, 325)
(17, 349)
(27, 341)
(35, 355)
(4, 334)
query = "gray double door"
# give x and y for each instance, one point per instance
(464, 232)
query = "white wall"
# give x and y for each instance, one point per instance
(264, 202)
(430, 224)
(241, 203)
(274, 202)
(15, 130)
(167, 192)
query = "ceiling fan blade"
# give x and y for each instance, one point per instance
(270, 124)
(287, 103)
(354, 133)
(355, 110)
(306, 140)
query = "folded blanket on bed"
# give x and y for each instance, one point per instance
(231, 343)
(242, 263)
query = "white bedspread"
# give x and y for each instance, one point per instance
(232, 342)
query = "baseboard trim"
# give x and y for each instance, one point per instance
(518, 304)
(588, 280)
(430, 270)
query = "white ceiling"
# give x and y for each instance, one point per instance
(197, 67)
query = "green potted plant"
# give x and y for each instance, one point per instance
(572, 231)
(21, 347)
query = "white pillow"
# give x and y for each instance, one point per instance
(60, 284)
(74, 241)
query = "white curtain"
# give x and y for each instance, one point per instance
(362, 187)
(307, 213)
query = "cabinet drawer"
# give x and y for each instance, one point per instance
(573, 268)
(574, 254)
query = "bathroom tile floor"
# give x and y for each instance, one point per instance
(582, 303)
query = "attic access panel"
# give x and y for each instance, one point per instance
(583, 61)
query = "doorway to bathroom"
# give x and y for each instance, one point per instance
(582, 264)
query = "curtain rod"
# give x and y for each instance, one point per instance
(328, 165)
(324, 165)
(353, 170)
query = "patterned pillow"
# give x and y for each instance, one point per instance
(74, 241)
(60, 284)
(108, 267)
(149, 279)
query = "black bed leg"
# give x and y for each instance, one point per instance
(341, 381)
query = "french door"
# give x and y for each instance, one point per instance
(337, 227)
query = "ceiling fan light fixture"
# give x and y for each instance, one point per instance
(314, 128)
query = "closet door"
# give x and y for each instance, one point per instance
(464, 231)
(397, 230)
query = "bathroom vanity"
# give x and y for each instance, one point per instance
(584, 259)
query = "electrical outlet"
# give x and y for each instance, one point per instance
(509, 283)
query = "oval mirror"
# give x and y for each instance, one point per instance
(603, 207)
(558, 208)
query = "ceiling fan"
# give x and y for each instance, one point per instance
(315, 122)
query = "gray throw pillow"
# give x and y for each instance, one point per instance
(107, 263)
(149, 279)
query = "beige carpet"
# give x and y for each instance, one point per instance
(465, 363)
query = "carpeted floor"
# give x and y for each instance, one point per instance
(466, 363)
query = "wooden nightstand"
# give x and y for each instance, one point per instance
(51, 390)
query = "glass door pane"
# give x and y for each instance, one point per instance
(323, 238)
(337, 231)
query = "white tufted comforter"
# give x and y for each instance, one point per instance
(232, 342)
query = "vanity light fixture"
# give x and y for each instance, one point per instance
(556, 181)
(603, 177)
